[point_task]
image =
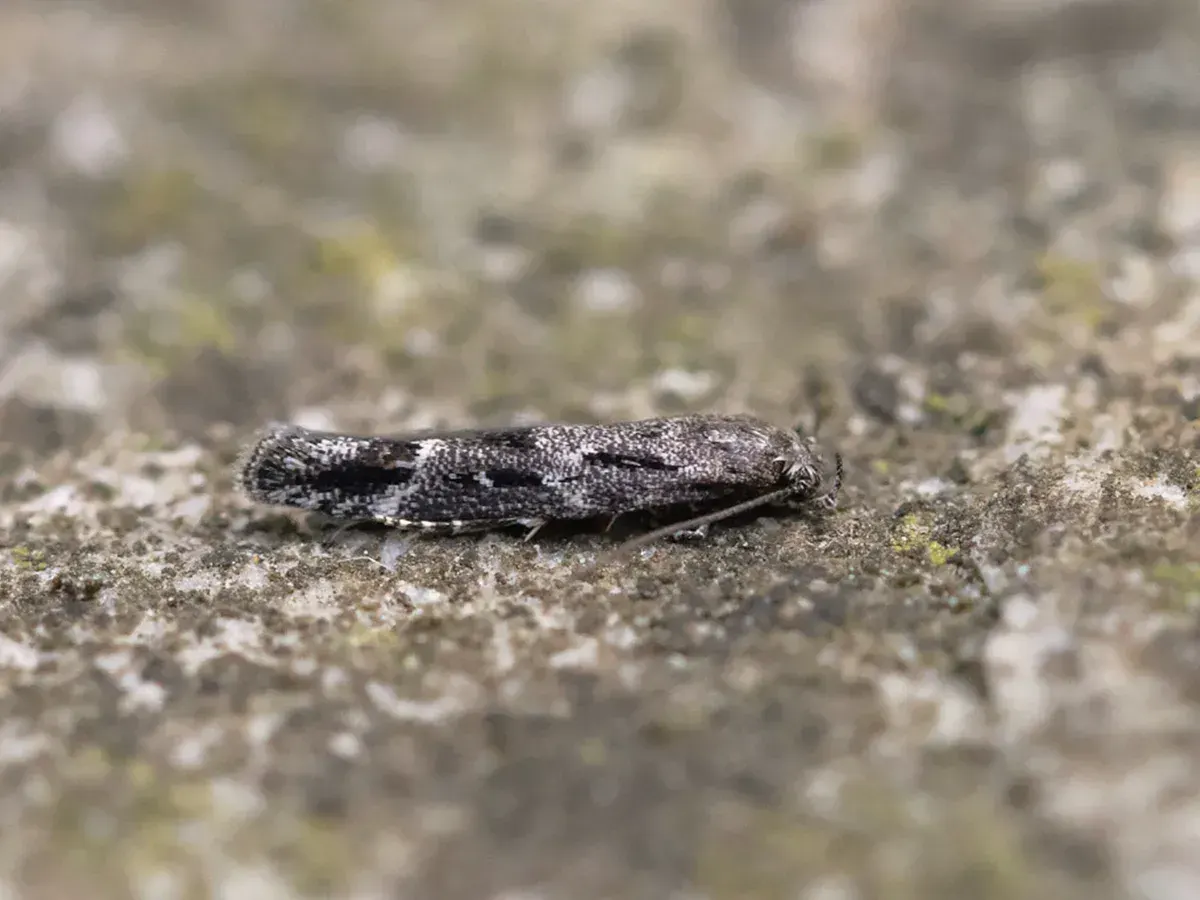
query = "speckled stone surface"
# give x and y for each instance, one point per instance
(964, 236)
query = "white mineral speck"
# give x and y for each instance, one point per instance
(86, 138)
(1036, 423)
(606, 290)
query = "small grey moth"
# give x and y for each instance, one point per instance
(714, 466)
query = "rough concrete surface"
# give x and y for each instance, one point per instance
(961, 238)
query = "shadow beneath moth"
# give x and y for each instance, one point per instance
(711, 466)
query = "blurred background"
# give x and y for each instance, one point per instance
(964, 234)
(396, 212)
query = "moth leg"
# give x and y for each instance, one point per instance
(828, 498)
(686, 533)
(342, 527)
(534, 526)
(696, 533)
(800, 502)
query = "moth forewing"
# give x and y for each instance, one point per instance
(462, 481)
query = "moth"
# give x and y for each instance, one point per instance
(709, 467)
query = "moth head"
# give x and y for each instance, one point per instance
(802, 475)
(800, 464)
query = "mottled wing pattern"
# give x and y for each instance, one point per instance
(578, 471)
(466, 480)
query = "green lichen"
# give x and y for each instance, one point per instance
(321, 857)
(161, 338)
(362, 636)
(268, 118)
(127, 822)
(1180, 580)
(592, 241)
(153, 204)
(204, 322)
(969, 846)
(29, 559)
(835, 149)
(1074, 288)
(370, 286)
(960, 411)
(766, 855)
(912, 534)
(363, 253)
(940, 554)
(594, 752)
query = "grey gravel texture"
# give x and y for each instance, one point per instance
(963, 236)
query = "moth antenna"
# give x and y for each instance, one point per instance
(829, 498)
(738, 508)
